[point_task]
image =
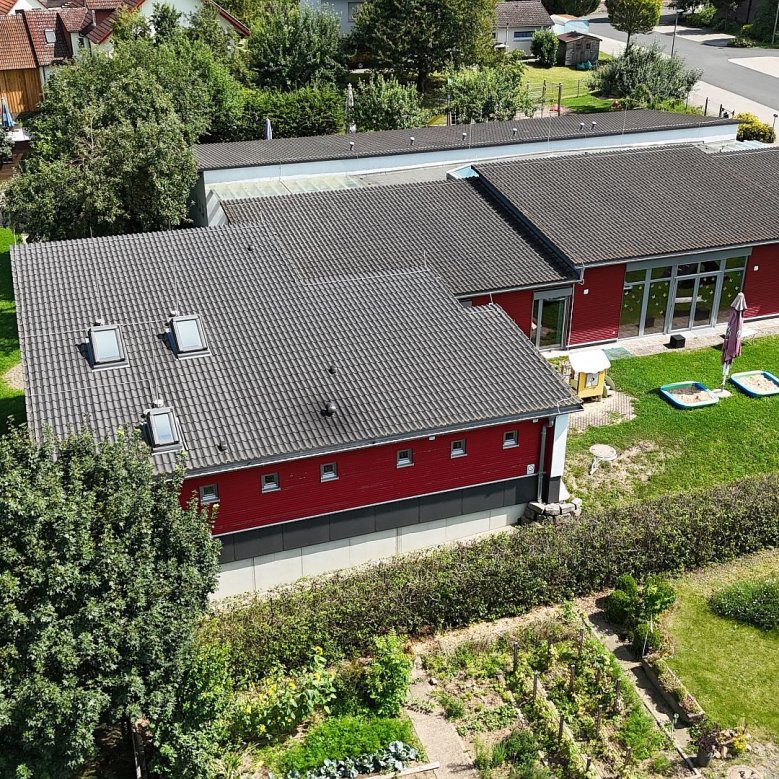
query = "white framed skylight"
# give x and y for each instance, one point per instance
(107, 346)
(189, 338)
(163, 428)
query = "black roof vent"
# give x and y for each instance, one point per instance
(221, 446)
(330, 408)
(332, 370)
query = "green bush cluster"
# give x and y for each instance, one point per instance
(348, 736)
(703, 17)
(389, 674)
(753, 602)
(501, 576)
(543, 46)
(750, 128)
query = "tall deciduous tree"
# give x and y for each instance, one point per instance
(293, 47)
(633, 16)
(422, 36)
(103, 577)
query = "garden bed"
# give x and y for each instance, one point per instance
(554, 688)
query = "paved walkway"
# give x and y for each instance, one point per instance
(730, 101)
(438, 736)
(618, 407)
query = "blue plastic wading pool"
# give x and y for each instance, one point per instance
(756, 384)
(688, 394)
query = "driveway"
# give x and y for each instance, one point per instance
(758, 85)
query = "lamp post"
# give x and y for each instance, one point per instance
(773, 126)
(676, 24)
(776, 19)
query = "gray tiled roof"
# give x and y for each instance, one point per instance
(240, 154)
(522, 13)
(625, 205)
(465, 236)
(409, 358)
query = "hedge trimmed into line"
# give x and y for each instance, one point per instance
(500, 576)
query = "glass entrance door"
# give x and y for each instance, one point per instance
(549, 322)
(704, 302)
(683, 300)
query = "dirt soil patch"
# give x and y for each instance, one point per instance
(14, 377)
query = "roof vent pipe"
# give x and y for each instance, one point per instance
(332, 370)
(581, 125)
(593, 125)
(351, 145)
(330, 409)
(513, 132)
(411, 140)
(99, 321)
(465, 135)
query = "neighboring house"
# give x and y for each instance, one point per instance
(31, 43)
(335, 419)
(33, 38)
(576, 48)
(243, 169)
(343, 9)
(516, 21)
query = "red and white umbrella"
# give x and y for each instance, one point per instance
(731, 348)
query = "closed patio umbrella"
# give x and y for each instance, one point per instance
(731, 347)
(268, 130)
(5, 114)
(351, 127)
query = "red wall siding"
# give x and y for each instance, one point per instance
(367, 476)
(761, 287)
(518, 305)
(595, 315)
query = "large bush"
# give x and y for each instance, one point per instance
(308, 111)
(645, 74)
(752, 129)
(753, 602)
(386, 104)
(543, 46)
(501, 576)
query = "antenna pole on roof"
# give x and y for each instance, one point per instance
(625, 117)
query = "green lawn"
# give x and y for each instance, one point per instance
(575, 93)
(665, 450)
(11, 400)
(731, 668)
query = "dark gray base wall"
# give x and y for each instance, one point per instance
(386, 516)
(262, 559)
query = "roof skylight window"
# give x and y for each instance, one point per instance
(107, 346)
(188, 335)
(51, 36)
(163, 429)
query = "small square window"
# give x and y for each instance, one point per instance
(209, 493)
(270, 482)
(405, 457)
(163, 428)
(509, 439)
(51, 36)
(458, 448)
(188, 334)
(328, 472)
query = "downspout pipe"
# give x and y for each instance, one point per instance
(541, 459)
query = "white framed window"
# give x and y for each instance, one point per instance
(522, 34)
(188, 334)
(163, 429)
(270, 482)
(209, 493)
(458, 448)
(405, 458)
(510, 439)
(51, 36)
(107, 345)
(328, 471)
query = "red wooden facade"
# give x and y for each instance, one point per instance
(368, 476)
(518, 305)
(761, 286)
(597, 304)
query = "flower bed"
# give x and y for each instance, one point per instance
(565, 688)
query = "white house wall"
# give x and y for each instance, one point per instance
(505, 36)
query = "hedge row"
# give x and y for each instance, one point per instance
(501, 576)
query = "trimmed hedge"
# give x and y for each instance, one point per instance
(500, 576)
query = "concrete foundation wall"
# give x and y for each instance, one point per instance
(259, 574)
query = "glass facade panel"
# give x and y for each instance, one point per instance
(685, 289)
(710, 267)
(633, 276)
(630, 319)
(704, 302)
(656, 307)
(687, 269)
(662, 273)
(735, 262)
(731, 286)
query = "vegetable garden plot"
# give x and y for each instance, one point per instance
(549, 697)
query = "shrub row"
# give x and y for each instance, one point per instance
(500, 576)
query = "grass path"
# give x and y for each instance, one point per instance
(11, 400)
(732, 668)
(675, 451)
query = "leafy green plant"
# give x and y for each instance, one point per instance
(521, 747)
(280, 702)
(385, 104)
(338, 738)
(453, 707)
(753, 602)
(640, 733)
(645, 639)
(543, 46)
(388, 676)
(703, 17)
(750, 128)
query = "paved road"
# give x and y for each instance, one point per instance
(713, 60)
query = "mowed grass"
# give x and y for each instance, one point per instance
(11, 400)
(665, 450)
(731, 668)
